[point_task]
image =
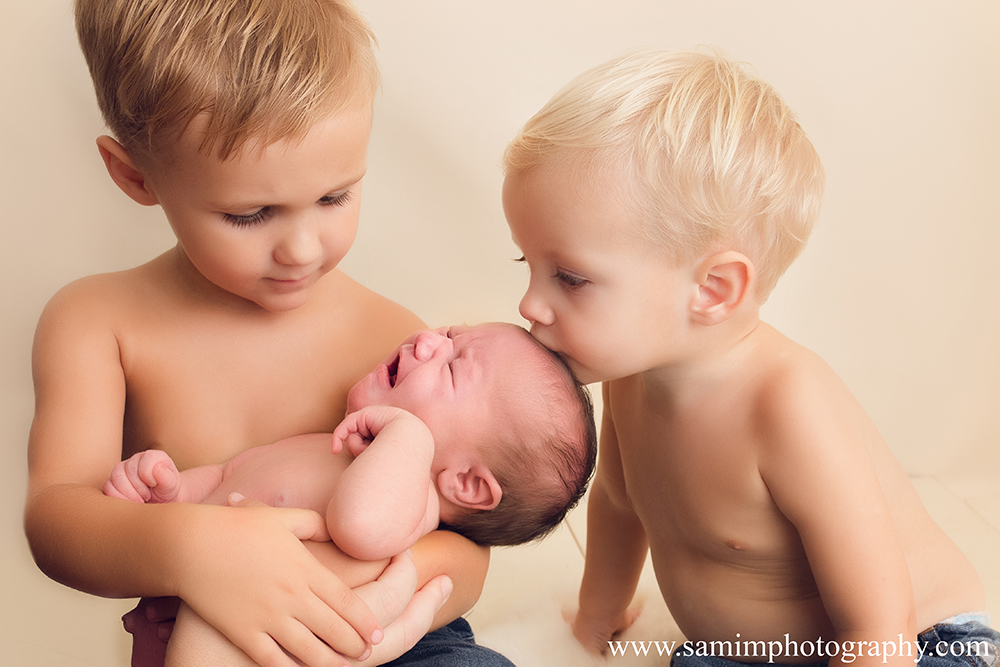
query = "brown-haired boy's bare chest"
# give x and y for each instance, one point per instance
(205, 396)
(205, 385)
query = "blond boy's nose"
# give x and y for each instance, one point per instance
(534, 310)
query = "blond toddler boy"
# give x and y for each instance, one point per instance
(247, 121)
(656, 200)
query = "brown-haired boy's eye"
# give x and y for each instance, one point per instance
(248, 220)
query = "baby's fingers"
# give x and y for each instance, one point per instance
(119, 486)
(160, 474)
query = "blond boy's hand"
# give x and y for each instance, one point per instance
(290, 603)
(595, 633)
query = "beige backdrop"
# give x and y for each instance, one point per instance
(898, 288)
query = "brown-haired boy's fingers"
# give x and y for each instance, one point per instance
(341, 619)
(389, 595)
(414, 621)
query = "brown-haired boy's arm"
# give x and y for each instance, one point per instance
(818, 466)
(114, 548)
(465, 563)
(616, 548)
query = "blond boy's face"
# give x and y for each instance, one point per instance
(265, 226)
(598, 296)
(452, 378)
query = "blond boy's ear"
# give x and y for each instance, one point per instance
(473, 487)
(124, 172)
(725, 281)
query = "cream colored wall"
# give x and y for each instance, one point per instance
(898, 289)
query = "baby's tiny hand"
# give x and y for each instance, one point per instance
(359, 428)
(147, 477)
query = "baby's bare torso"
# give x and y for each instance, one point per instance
(727, 559)
(296, 472)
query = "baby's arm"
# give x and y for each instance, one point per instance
(385, 500)
(818, 466)
(616, 548)
(152, 477)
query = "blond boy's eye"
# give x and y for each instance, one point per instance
(570, 279)
(339, 199)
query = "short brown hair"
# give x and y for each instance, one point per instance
(262, 69)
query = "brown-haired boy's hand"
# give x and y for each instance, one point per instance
(247, 573)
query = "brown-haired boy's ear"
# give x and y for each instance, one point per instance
(473, 487)
(124, 172)
(724, 283)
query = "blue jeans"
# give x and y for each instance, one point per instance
(450, 646)
(969, 644)
(964, 644)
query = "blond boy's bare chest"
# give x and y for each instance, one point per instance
(717, 540)
(692, 476)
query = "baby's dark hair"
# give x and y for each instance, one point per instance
(543, 463)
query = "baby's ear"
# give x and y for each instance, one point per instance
(124, 172)
(725, 281)
(473, 487)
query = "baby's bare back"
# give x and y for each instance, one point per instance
(761, 501)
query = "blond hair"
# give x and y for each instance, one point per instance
(710, 154)
(260, 69)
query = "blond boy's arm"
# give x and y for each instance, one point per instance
(818, 468)
(113, 548)
(616, 548)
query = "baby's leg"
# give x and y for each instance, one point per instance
(195, 643)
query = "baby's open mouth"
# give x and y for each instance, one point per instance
(393, 368)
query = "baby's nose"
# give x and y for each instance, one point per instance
(427, 343)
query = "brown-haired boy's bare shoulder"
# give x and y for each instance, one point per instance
(148, 333)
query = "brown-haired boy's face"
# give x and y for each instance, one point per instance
(266, 225)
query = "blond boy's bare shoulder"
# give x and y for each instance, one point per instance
(797, 391)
